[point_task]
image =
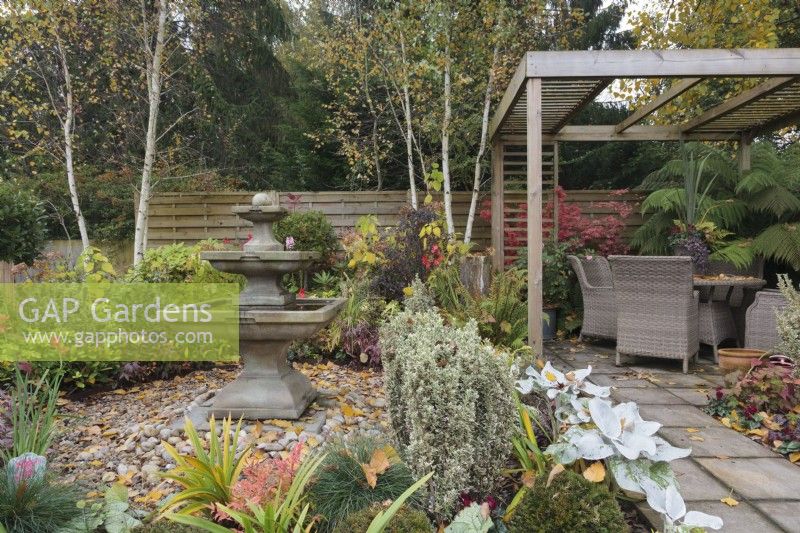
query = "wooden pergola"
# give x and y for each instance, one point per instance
(550, 88)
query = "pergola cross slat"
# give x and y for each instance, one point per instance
(549, 89)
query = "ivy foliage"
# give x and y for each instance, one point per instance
(22, 224)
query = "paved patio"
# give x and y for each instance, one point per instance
(723, 462)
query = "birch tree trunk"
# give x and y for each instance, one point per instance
(154, 78)
(412, 185)
(376, 156)
(476, 182)
(448, 204)
(68, 125)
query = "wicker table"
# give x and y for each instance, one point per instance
(716, 317)
(727, 283)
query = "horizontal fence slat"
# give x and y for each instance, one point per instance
(193, 216)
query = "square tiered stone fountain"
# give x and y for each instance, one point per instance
(270, 318)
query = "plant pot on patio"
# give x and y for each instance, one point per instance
(549, 323)
(738, 358)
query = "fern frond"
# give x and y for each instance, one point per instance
(652, 237)
(665, 200)
(775, 200)
(670, 175)
(739, 254)
(727, 213)
(781, 243)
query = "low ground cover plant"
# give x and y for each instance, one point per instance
(407, 520)
(764, 404)
(567, 502)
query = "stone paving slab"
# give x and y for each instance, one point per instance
(786, 514)
(692, 396)
(743, 518)
(607, 380)
(644, 396)
(677, 416)
(697, 484)
(757, 479)
(717, 441)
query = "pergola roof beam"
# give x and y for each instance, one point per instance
(737, 102)
(674, 90)
(595, 64)
(576, 108)
(600, 133)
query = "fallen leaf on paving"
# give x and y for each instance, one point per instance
(729, 501)
(595, 473)
(794, 457)
(692, 430)
(697, 438)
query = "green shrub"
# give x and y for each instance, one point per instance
(570, 503)
(178, 263)
(407, 520)
(341, 486)
(451, 403)
(76, 375)
(311, 232)
(22, 224)
(35, 505)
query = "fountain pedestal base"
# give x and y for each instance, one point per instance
(268, 386)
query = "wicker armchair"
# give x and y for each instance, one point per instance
(762, 327)
(597, 290)
(656, 307)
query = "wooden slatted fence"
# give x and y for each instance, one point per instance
(190, 217)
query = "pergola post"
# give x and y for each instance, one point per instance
(555, 192)
(498, 202)
(745, 145)
(534, 197)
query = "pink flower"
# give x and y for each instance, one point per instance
(301, 293)
(290, 243)
(25, 367)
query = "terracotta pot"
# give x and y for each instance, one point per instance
(738, 358)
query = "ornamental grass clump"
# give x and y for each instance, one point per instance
(355, 475)
(568, 503)
(30, 501)
(451, 404)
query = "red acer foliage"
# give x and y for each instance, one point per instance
(602, 233)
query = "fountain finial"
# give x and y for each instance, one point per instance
(265, 198)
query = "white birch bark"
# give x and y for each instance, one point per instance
(412, 185)
(68, 125)
(154, 78)
(476, 182)
(448, 204)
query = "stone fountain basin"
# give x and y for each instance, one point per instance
(298, 320)
(257, 263)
